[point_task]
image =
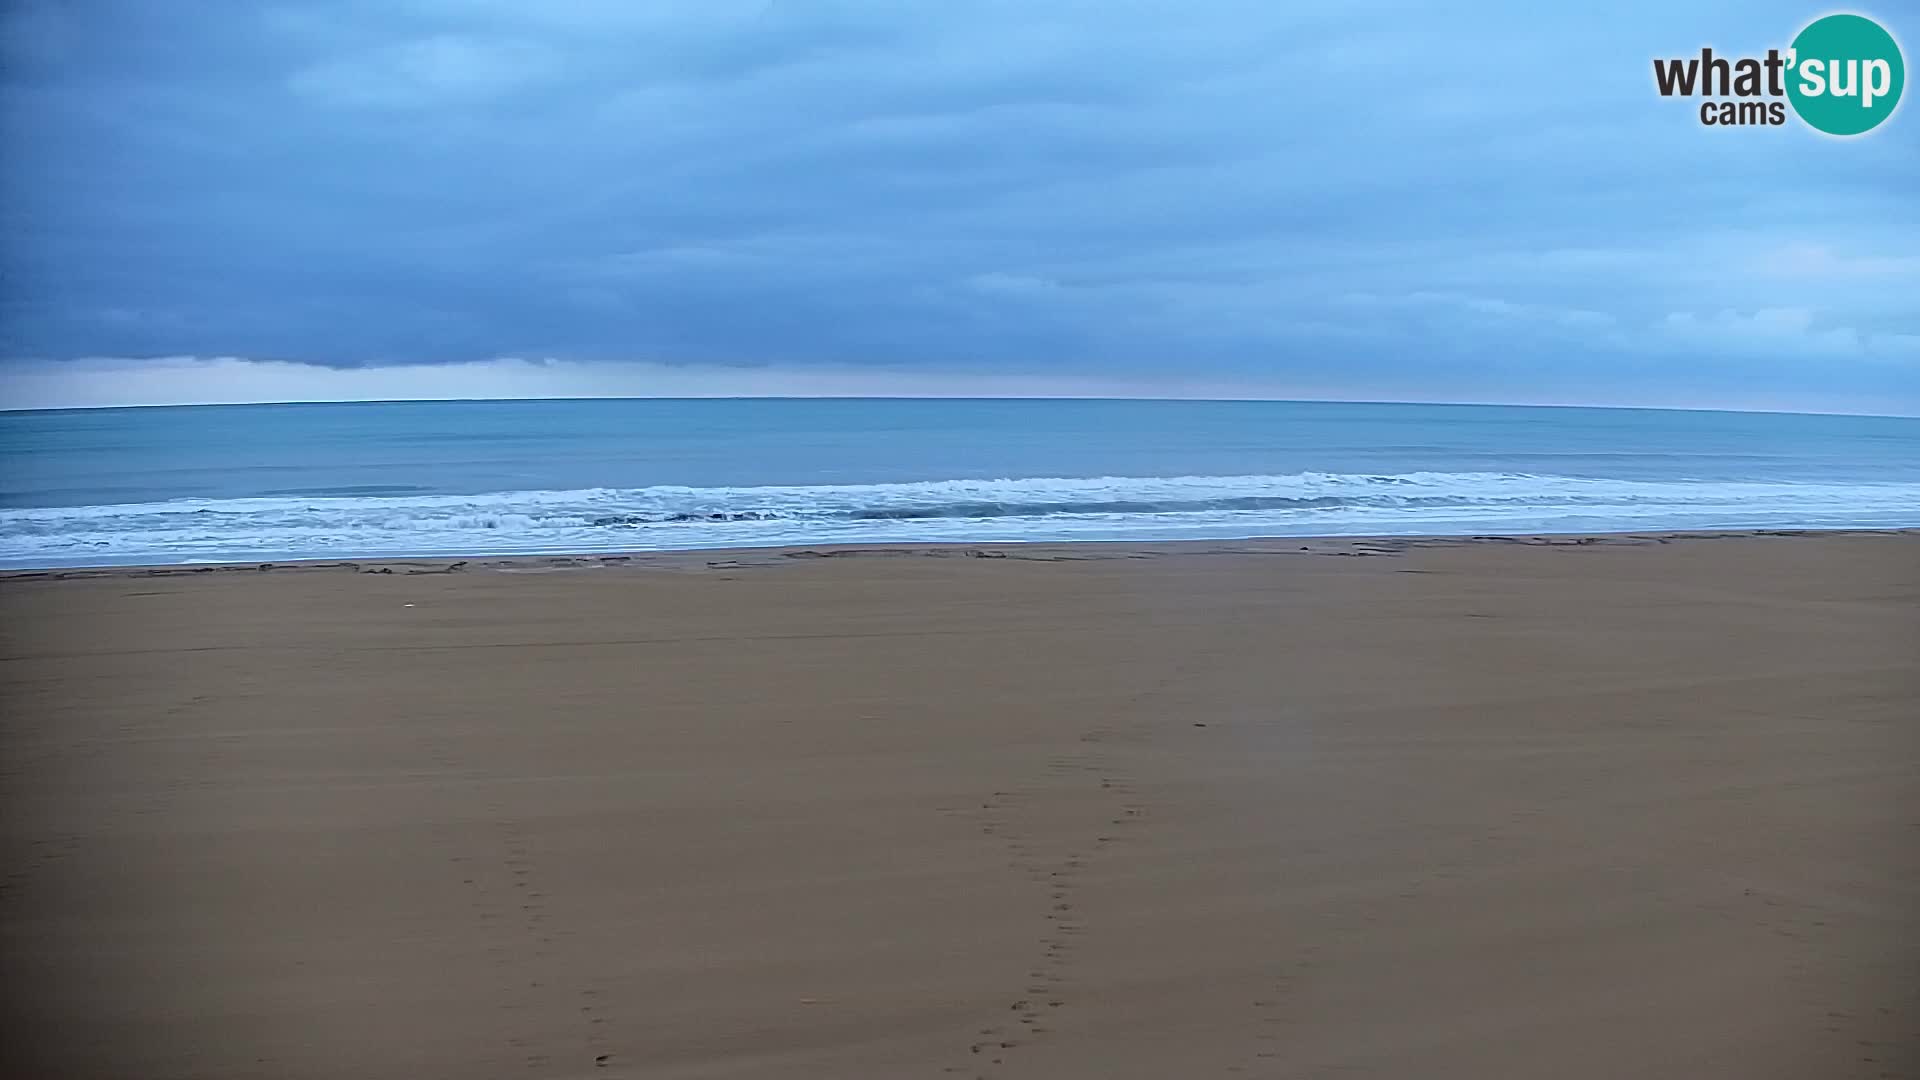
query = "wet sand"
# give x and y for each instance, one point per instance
(1634, 806)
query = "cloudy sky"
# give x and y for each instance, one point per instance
(424, 198)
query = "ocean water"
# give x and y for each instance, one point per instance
(266, 482)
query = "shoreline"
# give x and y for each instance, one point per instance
(1019, 550)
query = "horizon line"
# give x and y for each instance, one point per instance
(8, 409)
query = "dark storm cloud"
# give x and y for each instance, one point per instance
(1365, 201)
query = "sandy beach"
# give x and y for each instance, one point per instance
(1549, 807)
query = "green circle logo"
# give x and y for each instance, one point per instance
(1845, 74)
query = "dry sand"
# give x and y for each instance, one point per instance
(1633, 807)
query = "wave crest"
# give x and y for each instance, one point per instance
(1041, 508)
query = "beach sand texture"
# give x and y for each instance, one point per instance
(1639, 806)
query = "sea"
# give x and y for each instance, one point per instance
(245, 483)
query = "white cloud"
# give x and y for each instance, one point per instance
(1766, 331)
(1490, 307)
(593, 16)
(189, 380)
(447, 69)
(106, 382)
(1896, 347)
(1004, 284)
(1821, 262)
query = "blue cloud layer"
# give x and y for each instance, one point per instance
(1371, 200)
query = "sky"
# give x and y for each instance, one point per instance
(246, 201)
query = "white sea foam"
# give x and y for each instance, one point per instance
(1054, 508)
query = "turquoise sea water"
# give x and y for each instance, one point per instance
(169, 485)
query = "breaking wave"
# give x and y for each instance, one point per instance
(1096, 508)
